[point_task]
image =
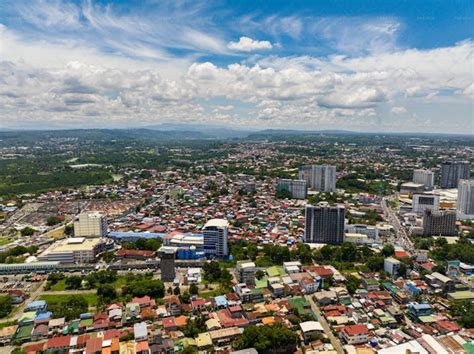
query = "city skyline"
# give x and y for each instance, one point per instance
(373, 67)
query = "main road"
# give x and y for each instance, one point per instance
(393, 219)
(336, 343)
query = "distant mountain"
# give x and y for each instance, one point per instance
(216, 131)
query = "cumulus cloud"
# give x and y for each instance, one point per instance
(398, 110)
(246, 44)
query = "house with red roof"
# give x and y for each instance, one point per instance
(355, 334)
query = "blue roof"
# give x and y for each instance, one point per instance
(43, 316)
(147, 235)
(421, 306)
(37, 303)
(221, 300)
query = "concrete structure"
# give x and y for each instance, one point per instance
(358, 239)
(372, 232)
(215, 238)
(422, 202)
(409, 188)
(167, 264)
(452, 172)
(355, 334)
(391, 265)
(35, 267)
(246, 272)
(320, 178)
(310, 328)
(74, 250)
(297, 187)
(90, 225)
(425, 177)
(439, 223)
(324, 224)
(465, 204)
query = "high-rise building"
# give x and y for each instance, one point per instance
(439, 223)
(90, 225)
(297, 187)
(321, 178)
(246, 272)
(167, 264)
(324, 224)
(215, 238)
(424, 177)
(452, 172)
(465, 204)
(422, 202)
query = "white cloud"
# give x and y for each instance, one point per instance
(246, 44)
(398, 110)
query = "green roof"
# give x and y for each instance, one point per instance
(28, 317)
(426, 319)
(262, 283)
(299, 303)
(256, 291)
(275, 271)
(462, 295)
(87, 322)
(24, 332)
(469, 347)
(72, 328)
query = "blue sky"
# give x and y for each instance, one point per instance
(356, 65)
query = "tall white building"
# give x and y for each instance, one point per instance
(297, 187)
(321, 178)
(465, 204)
(215, 238)
(424, 177)
(422, 202)
(90, 225)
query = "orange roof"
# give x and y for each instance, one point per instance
(142, 346)
(181, 321)
(268, 320)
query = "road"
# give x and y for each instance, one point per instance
(21, 308)
(336, 343)
(400, 231)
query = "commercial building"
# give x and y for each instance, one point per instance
(298, 188)
(452, 172)
(371, 231)
(465, 204)
(424, 177)
(355, 334)
(246, 272)
(409, 188)
(324, 224)
(439, 223)
(74, 250)
(90, 225)
(215, 238)
(391, 265)
(321, 178)
(422, 202)
(35, 267)
(167, 264)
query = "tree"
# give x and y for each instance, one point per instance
(106, 293)
(27, 231)
(73, 282)
(151, 287)
(53, 220)
(211, 271)
(177, 290)
(464, 311)
(388, 250)
(71, 308)
(375, 263)
(185, 297)
(69, 230)
(259, 274)
(266, 338)
(352, 284)
(193, 289)
(5, 305)
(194, 326)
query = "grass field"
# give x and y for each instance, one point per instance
(5, 241)
(61, 285)
(50, 299)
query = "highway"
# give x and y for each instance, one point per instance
(336, 343)
(402, 238)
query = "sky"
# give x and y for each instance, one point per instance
(369, 65)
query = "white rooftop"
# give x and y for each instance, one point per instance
(310, 326)
(217, 223)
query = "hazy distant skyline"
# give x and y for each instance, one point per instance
(343, 65)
